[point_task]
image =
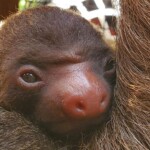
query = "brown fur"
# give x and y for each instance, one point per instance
(25, 36)
(16, 133)
(129, 127)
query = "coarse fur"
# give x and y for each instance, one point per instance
(17, 133)
(129, 127)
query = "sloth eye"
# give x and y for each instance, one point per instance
(110, 69)
(29, 77)
(109, 65)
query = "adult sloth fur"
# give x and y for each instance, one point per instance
(16, 133)
(129, 127)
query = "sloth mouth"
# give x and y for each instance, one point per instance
(75, 128)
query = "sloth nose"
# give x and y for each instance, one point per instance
(90, 104)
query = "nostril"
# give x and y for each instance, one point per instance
(80, 106)
(104, 102)
(75, 107)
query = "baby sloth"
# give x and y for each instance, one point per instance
(56, 70)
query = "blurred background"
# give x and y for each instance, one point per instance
(103, 13)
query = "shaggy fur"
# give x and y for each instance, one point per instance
(129, 127)
(16, 133)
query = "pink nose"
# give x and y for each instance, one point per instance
(90, 104)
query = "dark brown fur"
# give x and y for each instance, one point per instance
(16, 133)
(23, 39)
(129, 127)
